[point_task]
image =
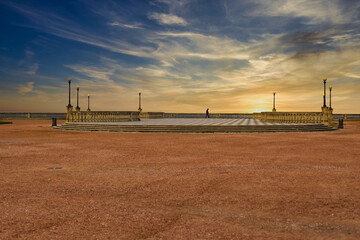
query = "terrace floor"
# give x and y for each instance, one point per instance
(196, 121)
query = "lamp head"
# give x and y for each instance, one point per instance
(330, 87)
(77, 87)
(89, 95)
(139, 92)
(69, 80)
(324, 79)
(274, 92)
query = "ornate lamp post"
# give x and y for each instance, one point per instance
(274, 109)
(330, 113)
(330, 96)
(69, 108)
(88, 102)
(77, 98)
(69, 80)
(324, 95)
(327, 117)
(139, 102)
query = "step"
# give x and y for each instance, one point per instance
(193, 128)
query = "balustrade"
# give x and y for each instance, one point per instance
(290, 117)
(103, 116)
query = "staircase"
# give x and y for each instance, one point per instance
(106, 127)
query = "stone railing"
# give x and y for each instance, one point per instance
(289, 117)
(324, 117)
(103, 116)
(257, 115)
(151, 115)
(347, 117)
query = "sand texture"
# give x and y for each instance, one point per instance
(79, 185)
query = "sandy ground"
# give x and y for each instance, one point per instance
(178, 186)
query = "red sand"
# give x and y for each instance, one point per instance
(178, 186)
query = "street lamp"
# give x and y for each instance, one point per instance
(330, 96)
(324, 95)
(77, 98)
(69, 80)
(139, 102)
(274, 109)
(88, 102)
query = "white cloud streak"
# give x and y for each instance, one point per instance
(32, 69)
(314, 11)
(25, 88)
(167, 19)
(125, 25)
(29, 54)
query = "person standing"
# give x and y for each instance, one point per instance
(207, 114)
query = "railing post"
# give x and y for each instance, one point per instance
(69, 113)
(325, 119)
(330, 115)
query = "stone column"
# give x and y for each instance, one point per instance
(68, 113)
(330, 115)
(325, 118)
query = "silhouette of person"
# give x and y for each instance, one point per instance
(207, 114)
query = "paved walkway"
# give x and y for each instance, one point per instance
(197, 121)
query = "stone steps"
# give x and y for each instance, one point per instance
(193, 128)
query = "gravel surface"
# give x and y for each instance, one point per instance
(78, 185)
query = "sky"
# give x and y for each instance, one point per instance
(183, 55)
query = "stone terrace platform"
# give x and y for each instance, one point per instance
(194, 125)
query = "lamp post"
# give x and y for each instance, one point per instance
(330, 96)
(69, 80)
(274, 109)
(77, 98)
(324, 95)
(88, 102)
(69, 108)
(140, 102)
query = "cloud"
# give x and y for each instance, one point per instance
(163, 46)
(125, 25)
(314, 12)
(198, 66)
(25, 88)
(53, 24)
(174, 5)
(29, 54)
(167, 19)
(196, 45)
(32, 69)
